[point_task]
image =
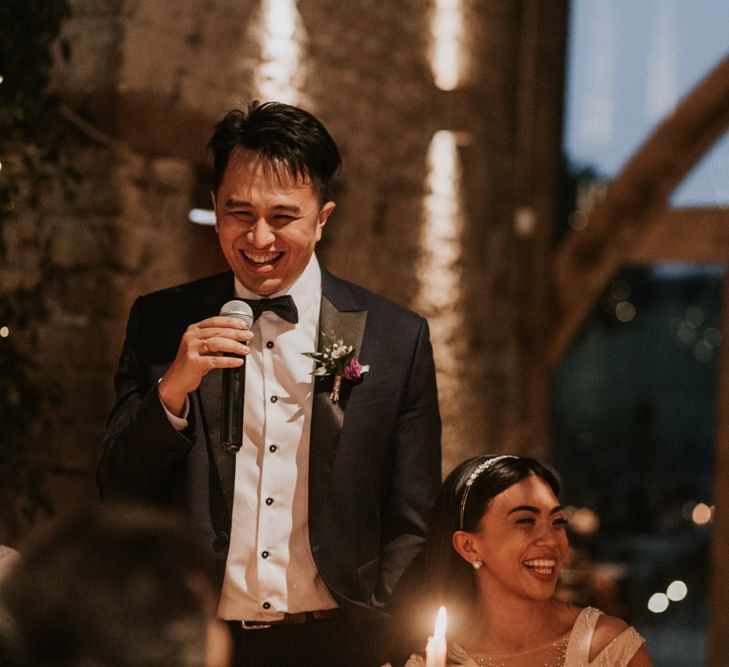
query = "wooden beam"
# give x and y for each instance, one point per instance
(634, 201)
(698, 236)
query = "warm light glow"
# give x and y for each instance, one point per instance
(702, 514)
(438, 270)
(525, 221)
(584, 521)
(439, 274)
(201, 216)
(435, 651)
(440, 624)
(441, 238)
(447, 29)
(676, 591)
(658, 603)
(280, 74)
(4, 332)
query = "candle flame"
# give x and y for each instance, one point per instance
(440, 624)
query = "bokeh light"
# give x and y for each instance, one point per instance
(578, 220)
(702, 514)
(694, 316)
(438, 268)
(620, 290)
(280, 74)
(625, 311)
(712, 336)
(582, 520)
(658, 603)
(676, 591)
(703, 351)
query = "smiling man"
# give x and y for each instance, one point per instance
(314, 520)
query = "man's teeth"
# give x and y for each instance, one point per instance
(541, 565)
(261, 259)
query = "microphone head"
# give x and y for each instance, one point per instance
(240, 310)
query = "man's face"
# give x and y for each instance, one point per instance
(267, 226)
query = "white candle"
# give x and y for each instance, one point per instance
(435, 651)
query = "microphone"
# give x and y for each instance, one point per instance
(234, 385)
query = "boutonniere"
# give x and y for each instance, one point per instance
(337, 359)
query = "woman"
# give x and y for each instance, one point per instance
(493, 555)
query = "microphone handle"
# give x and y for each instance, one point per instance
(231, 432)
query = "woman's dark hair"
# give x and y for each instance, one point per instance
(448, 579)
(288, 139)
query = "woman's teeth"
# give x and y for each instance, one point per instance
(541, 565)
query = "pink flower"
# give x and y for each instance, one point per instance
(353, 370)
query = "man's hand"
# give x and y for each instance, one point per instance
(201, 349)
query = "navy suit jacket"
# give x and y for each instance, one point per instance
(374, 465)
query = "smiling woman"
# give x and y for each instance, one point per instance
(496, 545)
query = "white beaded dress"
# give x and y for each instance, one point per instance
(570, 650)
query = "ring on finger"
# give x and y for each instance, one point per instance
(205, 348)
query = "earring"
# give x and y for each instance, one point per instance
(477, 564)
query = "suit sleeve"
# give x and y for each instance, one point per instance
(141, 450)
(416, 474)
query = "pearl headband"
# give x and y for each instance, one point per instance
(481, 467)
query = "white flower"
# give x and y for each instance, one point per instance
(339, 351)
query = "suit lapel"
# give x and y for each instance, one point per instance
(338, 317)
(210, 399)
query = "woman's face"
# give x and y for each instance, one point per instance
(521, 540)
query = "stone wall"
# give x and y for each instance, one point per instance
(145, 83)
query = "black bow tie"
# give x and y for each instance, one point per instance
(283, 306)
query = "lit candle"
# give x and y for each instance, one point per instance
(435, 651)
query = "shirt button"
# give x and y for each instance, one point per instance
(269, 501)
(266, 605)
(272, 448)
(269, 345)
(274, 399)
(221, 542)
(264, 554)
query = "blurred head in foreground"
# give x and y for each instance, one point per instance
(119, 587)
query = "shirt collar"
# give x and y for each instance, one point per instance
(305, 290)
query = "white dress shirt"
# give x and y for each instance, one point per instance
(270, 568)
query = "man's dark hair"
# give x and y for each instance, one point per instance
(285, 137)
(122, 587)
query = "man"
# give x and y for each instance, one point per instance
(315, 518)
